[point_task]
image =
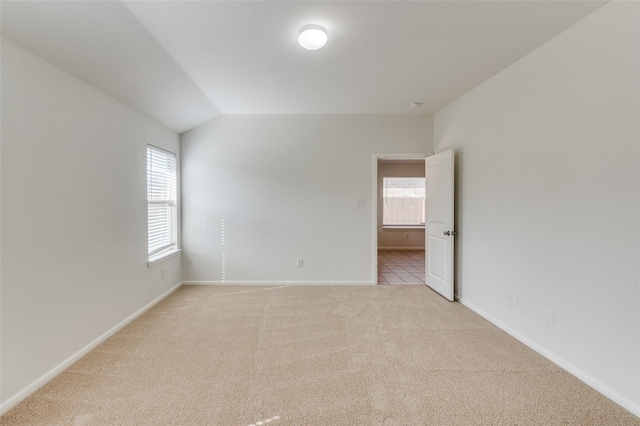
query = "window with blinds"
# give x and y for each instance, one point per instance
(162, 201)
(403, 201)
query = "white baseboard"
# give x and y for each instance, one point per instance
(277, 283)
(401, 248)
(22, 395)
(634, 408)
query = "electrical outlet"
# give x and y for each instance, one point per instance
(509, 299)
(550, 317)
(360, 201)
(299, 262)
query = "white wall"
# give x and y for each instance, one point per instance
(395, 238)
(286, 188)
(548, 198)
(74, 246)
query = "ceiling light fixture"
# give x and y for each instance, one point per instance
(415, 104)
(312, 37)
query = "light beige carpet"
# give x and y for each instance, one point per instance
(380, 355)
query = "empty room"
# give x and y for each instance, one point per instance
(320, 212)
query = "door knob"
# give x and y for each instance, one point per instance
(446, 233)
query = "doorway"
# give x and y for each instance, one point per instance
(399, 216)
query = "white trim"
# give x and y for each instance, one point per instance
(401, 248)
(276, 283)
(22, 395)
(374, 204)
(162, 257)
(407, 156)
(561, 362)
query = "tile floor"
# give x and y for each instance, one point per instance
(400, 267)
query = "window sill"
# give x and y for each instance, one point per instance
(402, 226)
(162, 257)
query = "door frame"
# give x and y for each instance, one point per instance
(374, 200)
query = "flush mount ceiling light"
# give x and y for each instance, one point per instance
(415, 104)
(312, 37)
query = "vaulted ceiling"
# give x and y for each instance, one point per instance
(186, 62)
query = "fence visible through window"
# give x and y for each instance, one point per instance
(403, 201)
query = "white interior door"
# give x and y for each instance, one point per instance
(439, 227)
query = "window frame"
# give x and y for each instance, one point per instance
(420, 225)
(171, 201)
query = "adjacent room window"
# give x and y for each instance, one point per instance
(162, 201)
(403, 200)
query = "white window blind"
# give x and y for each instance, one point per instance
(162, 200)
(403, 201)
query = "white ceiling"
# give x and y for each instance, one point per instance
(102, 43)
(184, 62)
